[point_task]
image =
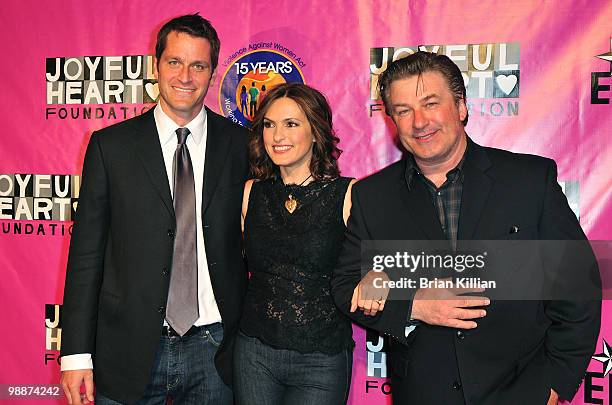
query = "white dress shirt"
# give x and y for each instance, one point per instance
(196, 143)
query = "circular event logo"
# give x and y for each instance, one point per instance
(246, 82)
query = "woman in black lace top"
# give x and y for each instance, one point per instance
(294, 346)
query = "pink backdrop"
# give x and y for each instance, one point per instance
(546, 103)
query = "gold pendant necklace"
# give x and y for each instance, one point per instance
(291, 203)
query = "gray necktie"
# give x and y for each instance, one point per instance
(182, 308)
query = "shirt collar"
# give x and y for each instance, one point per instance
(412, 169)
(166, 127)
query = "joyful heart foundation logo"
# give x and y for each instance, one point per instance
(489, 70)
(120, 79)
(34, 197)
(491, 74)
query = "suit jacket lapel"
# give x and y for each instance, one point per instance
(217, 148)
(147, 148)
(420, 207)
(476, 188)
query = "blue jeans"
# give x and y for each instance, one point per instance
(264, 375)
(185, 372)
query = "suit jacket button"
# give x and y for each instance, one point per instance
(170, 233)
(165, 271)
(460, 335)
(161, 309)
(457, 385)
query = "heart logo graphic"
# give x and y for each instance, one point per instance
(506, 83)
(152, 90)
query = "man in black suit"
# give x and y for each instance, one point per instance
(155, 276)
(456, 350)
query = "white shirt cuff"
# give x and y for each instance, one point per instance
(407, 331)
(80, 361)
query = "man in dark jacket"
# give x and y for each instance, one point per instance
(155, 277)
(444, 347)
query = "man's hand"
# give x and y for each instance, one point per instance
(71, 383)
(554, 398)
(446, 307)
(370, 295)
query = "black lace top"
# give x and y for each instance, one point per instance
(291, 258)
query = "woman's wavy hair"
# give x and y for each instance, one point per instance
(325, 152)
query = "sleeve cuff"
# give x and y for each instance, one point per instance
(409, 329)
(76, 362)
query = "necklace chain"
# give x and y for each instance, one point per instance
(305, 180)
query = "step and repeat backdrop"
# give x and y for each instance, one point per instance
(538, 77)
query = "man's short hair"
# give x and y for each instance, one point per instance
(194, 25)
(417, 64)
